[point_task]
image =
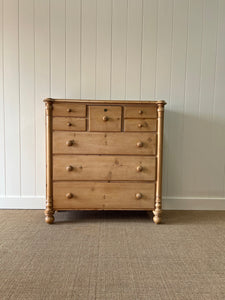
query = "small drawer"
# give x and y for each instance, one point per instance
(107, 167)
(103, 195)
(69, 110)
(140, 112)
(69, 123)
(105, 118)
(140, 125)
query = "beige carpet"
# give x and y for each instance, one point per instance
(112, 256)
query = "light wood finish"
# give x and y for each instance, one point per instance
(140, 124)
(103, 102)
(68, 109)
(140, 111)
(105, 118)
(104, 143)
(92, 167)
(69, 123)
(104, 155)
(158, 206)
(49, 218)
(102, 195)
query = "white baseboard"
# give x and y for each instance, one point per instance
(169, 203)
(22, 202)
(193, 203)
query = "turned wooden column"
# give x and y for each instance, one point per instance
(158, 201)
(49, 212)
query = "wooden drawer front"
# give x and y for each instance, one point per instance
(139, 143)
(140, 124)
(100, 195)
(105, 118)
(69, 109)
(91, 167)
(140, 112)
(69, 123)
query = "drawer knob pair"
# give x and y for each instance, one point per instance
(69, 195)
(70, 143)
(105, 118)
(139, 144)
(138, 196)
(139, 168)
(69, 168)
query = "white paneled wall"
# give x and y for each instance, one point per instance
(115, 49)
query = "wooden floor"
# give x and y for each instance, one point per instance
(112, 256)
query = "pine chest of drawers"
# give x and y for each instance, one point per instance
(103, 155)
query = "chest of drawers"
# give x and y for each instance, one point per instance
(103, 155)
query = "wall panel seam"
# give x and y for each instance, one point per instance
(125, 81)
(19, 91)
(200, 77)
(81, 19)
(35, 117)
(142, 24)
(215, 69)
(110, 86)
(3, 94)
(65, 48)
(157, 47)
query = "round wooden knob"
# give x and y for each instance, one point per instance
(139, 144)
(105, 118)
(69, 124)
(69, 109)
(140, 125)
(140, 112)
(139, 168)
(69, 168)
(69, 195)
(69, 143)
(138, 196)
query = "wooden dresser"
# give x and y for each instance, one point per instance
(103, 155)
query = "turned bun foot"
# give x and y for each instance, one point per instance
(49, 219)
(156, 219)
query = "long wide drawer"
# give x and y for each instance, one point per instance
(92, 167)
(143, 143)
(100, 195)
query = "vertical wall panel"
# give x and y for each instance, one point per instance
(207, 85)
(134, 49)
(2, 109)
(164, 48)
(119, 45)
(42, 86)
(163, 68)
(11, 97)
(73, 22)
(217, 180)
(191, 121)
(27, 103)
(103, 57)
(88, 48)
(58, 49)
(176, 114)
(149, 49)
